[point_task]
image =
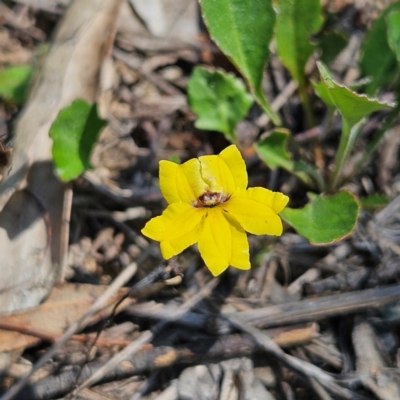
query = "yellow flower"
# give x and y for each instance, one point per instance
(208, 204)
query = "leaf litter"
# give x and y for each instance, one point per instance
(332, 309)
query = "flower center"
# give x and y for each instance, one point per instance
(210, 199)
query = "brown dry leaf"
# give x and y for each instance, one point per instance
(181, 21)
(71, 70)
(24, 242)
(65, 305)
(169, 18)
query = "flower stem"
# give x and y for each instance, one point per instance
(347, 139)
(310, 122)
(305, 102)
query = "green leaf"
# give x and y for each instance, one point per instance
(393, 32)
(352, 106)
(243, 30)
(374, 201)
(302, 169)
(273, 150)
(382, 69)
(297, 21)
(331, 44)
(74, 133)
(14, 82)
(325, 219)
(219, 99)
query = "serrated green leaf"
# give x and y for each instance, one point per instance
(273, 150)
(393, 32)
(243, 30)
(74, 133)
(296, 22)
(14, 82)
(352, 106)
(325, 219)
(380, 69)
(220, 100)
(331, 44)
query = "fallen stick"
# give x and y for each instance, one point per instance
(307, 310)
(149, 359)
(321, 307)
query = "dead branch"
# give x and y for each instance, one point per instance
(149, 359)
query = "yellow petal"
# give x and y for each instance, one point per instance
(168, 177)
(223, 242)
(192, 171)
(155, 228)
(234, 160)
(181, 182)
(279, 201)
(170, 248)
(240, 257)
(217, 175)
(256, 210)
(276, 200)
(176, 221)
(226, 172)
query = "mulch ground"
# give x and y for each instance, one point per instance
(305, 322)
